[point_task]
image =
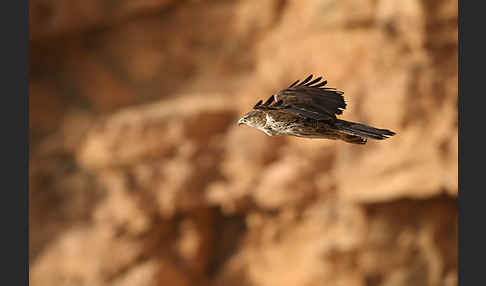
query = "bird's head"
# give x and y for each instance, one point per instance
(256, 118)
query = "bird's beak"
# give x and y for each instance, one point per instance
(240, 121)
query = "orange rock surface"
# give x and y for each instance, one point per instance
(139, 174)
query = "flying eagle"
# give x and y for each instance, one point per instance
(307, 109)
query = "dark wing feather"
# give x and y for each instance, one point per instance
(266, 104)
(323, 83)
(305, 80)
(257, 104)
(310, 100)
(314, 81)
(269, 100)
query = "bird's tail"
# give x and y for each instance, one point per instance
(362, 130)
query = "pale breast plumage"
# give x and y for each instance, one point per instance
(276, 126)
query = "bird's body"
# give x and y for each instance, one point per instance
(279, 123)
(309, 111)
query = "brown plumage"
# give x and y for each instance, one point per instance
(307, 109)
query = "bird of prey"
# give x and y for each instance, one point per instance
(307, 109)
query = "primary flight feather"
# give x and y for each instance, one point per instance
(307, 109)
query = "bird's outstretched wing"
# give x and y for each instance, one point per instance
(308, 98)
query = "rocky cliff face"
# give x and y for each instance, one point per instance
(140, 176)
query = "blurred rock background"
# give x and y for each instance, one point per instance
(140, 176)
